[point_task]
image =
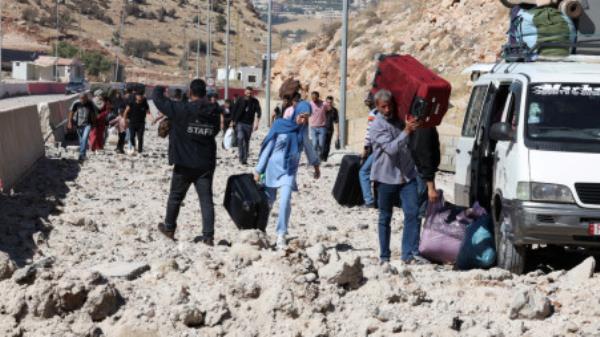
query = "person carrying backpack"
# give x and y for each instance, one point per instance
(279, 160)
(193, 152)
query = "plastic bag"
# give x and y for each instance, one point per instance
(478, 249)
(113, 136)
(443, 231)
(228, 139)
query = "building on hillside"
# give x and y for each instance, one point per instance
(46, 68)
(10, 56)
(61, 69)
(245, 76)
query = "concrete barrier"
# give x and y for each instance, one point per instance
(52, 117)
(21, 143)
(13, 89)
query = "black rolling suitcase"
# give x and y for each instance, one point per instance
(247, 205)
(347, 190)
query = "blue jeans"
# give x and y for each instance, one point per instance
(423, 197)
(365, 181)
(285, 206)
(412, 228)
(318, 137)
(83, 132)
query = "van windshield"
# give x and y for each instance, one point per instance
(566, 113)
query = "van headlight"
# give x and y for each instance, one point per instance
(528, 191)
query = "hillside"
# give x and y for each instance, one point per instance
(448, 36)
(168, 25)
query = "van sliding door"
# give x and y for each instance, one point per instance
(482, 160)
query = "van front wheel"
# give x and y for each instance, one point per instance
(509, 256)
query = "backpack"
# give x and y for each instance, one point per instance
(529, 28)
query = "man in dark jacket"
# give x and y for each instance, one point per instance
(425, 149)
(193, 151)
(246, 118)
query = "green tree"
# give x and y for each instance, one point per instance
(139, 47)
(96, 63)
(221, 23)
(65, 50)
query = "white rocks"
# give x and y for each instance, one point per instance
(318, 253)
(247, 288)
(191, 316)
(103, 302)
(348, 272)
(7, 266)
(582, 272)
(216, 312)
(254, 238)
(126, 270)
(530, 304)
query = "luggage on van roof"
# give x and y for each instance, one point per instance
(552, 28)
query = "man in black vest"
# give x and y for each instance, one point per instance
(193, 151)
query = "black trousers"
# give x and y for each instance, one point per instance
(121, 143)
(181, 181)
(137, 131)
(327, 145)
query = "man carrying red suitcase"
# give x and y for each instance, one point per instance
(395, 172)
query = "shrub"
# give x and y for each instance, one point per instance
(65, 50)
(330, 29)
(139, 47)
(30, 14)
(164, 47)
(133, 9)
(96, 63)
(161, 14)
(193, 45)
(221, 23)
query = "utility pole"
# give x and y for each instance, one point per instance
(56, 43)
(343, 72)
(186, 53)
(226, 49)
(79, 35)
(1, 40)
(198, 41)
(269, 42)
(121, 24)
(208, 38)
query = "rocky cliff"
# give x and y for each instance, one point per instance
(447, 36)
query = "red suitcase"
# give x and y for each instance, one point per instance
(418, 92)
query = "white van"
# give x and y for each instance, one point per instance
(530, 153)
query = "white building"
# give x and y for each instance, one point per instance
(44, 68)
(246, 76)
(24, 71)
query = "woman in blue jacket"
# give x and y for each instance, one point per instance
(280, 158)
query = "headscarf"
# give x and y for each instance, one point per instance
(295, 132)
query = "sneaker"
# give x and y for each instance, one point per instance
(281, 243)
(418, 260)
(207, 240)
(169, 233)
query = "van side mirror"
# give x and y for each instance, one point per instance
(502, 132)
